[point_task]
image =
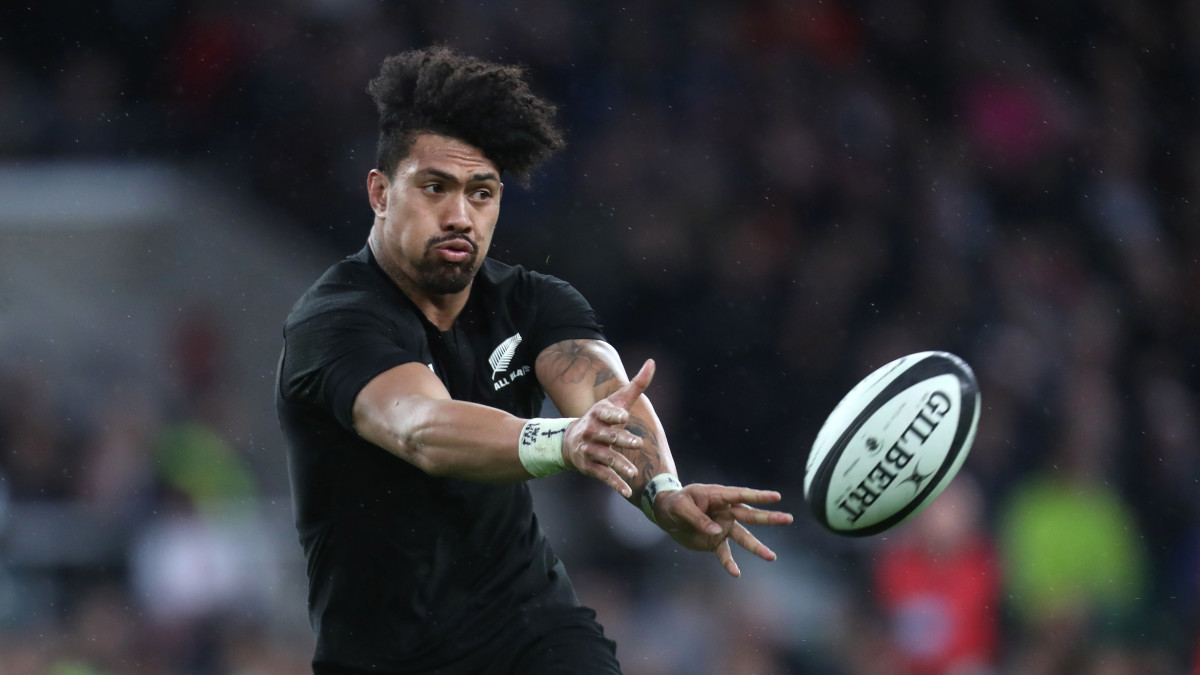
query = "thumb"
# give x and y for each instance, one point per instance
(626, 395)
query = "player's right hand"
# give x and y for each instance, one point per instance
(593, 442)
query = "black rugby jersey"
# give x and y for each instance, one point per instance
(410, 572)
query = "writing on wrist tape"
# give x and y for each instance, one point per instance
(663, 482)
(541, 443)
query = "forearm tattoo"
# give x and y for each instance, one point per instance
(648, 458)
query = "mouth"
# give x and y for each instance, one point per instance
(455, 249)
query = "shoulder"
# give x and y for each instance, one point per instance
(521, 283)
(349, 286)
(546, 308)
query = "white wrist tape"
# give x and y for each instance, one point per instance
(541, 443)
(663, 482)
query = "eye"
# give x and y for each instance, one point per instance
(433, 188)
(481, 194)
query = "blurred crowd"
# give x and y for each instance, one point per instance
(771, 198)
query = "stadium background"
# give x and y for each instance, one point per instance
(769, 197)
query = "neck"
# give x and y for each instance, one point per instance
(440, 309)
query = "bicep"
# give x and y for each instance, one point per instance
(577, 373)
(404, 389)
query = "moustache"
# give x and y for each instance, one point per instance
(438, 241)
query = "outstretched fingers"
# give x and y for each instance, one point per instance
(752, 516)
(751, 543)
(741, 495)
(746, 540)
(725, 555)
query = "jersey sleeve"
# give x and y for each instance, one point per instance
(329, 357)
(564, 314)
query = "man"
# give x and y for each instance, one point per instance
(409, 376)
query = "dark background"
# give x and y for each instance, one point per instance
(770, 198)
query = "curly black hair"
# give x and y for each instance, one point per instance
(487, 105)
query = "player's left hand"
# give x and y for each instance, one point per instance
(705, 517)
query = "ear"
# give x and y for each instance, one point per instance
(377, 192)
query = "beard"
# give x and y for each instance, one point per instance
(443, 277)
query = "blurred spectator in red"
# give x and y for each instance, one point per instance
(938, 587)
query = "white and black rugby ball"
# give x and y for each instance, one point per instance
(892, 444)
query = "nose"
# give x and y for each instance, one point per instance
(456, 216)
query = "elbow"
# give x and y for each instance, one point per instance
(432, 463)
(422, 455)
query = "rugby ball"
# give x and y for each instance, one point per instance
(892, 444)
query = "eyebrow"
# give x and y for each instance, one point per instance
(476, 178)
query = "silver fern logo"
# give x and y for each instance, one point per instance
(502, 356)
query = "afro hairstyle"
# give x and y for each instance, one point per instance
(487, 105)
